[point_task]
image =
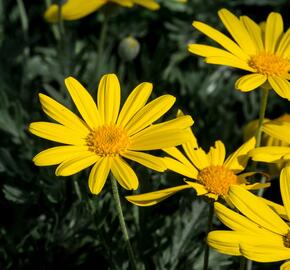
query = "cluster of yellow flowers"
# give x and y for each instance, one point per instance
(106, 135)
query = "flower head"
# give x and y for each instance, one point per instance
(105, 135)
(263, 52)
(258, 232)
(76, 9)
(210, 173)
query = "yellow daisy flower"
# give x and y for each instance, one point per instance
(211, 173)
(258, 233)
(264, 53)
(105, 134)
(76, 9)
(279, 129)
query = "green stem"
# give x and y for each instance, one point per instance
(263, 106)
(209, 228)
(122, 223)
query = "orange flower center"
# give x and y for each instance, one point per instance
(269, 64)
(217, 179)
(108, 140)
(286, 240)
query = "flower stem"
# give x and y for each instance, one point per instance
(122, 223)
(209, 227)
(263, 106)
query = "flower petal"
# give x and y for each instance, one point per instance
(124, 174)
(174, 152)
(77, 164)
(150, 161)
(150, 4)
(280, 86)
(221, 39)
(273, 31)
(99, 175)
(254, 31)
(285, 189)
(184, 169)
(135, 101)
(62, 115)
(284, 45)
(278, 129)
(217, 154)
(285, 266)
(200, 189)
(238, 31)
(250, 82)
(109, 96)
(269, 153)
(84, 102)
(58, 154)
(57, 133)
(238, 160)
(256, 210)
(151, 198)
(265, 253)
(150, 113)
(277, 208)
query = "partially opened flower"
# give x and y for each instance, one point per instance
(265, 53)
(105, 135)
(76, 9)
(281, 131)
(258, 232)
(210, 173)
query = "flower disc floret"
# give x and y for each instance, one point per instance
(269, 64)
(217, 179)
(108, 140)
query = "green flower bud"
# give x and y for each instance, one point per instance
(129, 48)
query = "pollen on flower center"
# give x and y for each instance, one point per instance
(269, 64)
(108, 140)
(286, 240)
(217, 179)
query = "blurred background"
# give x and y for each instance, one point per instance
(51, 222)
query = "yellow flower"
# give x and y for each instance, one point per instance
(76, 9)
(264, 53)
(279, 129)
(211, 172)
(258, 233)
(105, 134)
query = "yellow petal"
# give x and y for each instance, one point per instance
(238, 31)
(285, 189)
(77, 164)
(278, 129)
(99, 174)
(265, 253)
(184, 169)
(57, 133)
(273, 31)
(285, 266)
(159, 140)
(124, 3)
(221, 39)
(124, 174)
(280, 86)
(58, 154)
(62, 115)
(151, 198)
(269, 153)
(174, 152)
(284, 48)
(109, 95)
(150, 161)
(256, 210)
(254, 31)
(229, 61)
(217, 154)
(150, 113)
(237, 222)
(136, 100)
(238, 160)
(72, 10)
(250, 82)
(84, 102)
(150, 4)
(279, 209)
(200, 189)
